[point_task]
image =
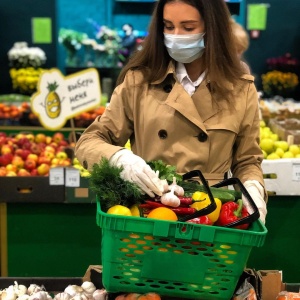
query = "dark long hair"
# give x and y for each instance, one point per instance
(220, 57)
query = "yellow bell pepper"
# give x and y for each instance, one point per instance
(202, 200)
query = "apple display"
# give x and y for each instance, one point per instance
(33, 156)
(18, 162)
(30, 137)
(35, 148)
(61, 155)
(34, 172)
(3, 171)
(29, 164)
(23, 172)
(44, 160)
(25, 153)
(40, 138)
(6, 159)
(11, 173)
(58, 137)
(11, 167)
(48, 154)
(43, 169)
(6, 149)
(48, 140)
(50, 148)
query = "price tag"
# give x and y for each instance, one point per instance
(72, 177)
(56, 176)
(296, 172)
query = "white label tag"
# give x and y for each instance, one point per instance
(72, 177)
(56, 176)
(296, 172)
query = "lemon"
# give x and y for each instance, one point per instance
(267, 145)
(262, 123)
(135, 211)
(274, 136)
(273, 155)
(288, 154)
(279, 152)
(119, 210)
(282, 144)
(294, 149)
(264, 153)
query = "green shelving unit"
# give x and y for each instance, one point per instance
(50, 240)
(59, 239)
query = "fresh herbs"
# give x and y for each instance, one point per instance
(167, 172)
(110, 188)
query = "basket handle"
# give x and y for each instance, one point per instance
(208, 209)
(253, 216)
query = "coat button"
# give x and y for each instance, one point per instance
(163, 134)
(202, 137)
(168, 88)
(85, 164)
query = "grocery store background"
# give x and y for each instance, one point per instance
(65, 236)
(282, 32)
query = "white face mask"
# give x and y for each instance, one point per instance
(184, 48)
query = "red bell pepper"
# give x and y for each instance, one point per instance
(232, 211)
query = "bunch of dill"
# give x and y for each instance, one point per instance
(110, 188)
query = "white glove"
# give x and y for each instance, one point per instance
(256, 191)
(137, 171)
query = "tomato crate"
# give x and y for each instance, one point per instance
(176, 259)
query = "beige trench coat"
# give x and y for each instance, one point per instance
(193, 133)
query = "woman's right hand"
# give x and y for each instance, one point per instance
(137, 171)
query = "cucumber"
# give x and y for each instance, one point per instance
(224, 195)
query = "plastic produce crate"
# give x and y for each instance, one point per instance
(176, 259)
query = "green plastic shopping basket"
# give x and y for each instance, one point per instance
(176, 259)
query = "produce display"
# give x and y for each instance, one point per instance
(279, 108)
(286, 128)
(11, 114)
(28, 154)
(87, 291)
(181, 200)
(275, 148)
(15, 109)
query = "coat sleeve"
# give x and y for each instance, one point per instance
(247, 154)
(110, 132)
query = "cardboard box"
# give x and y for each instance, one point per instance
(271, 283)
(285, 128)
(282, 176)
(30, 189)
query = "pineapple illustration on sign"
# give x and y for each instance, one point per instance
(52, 101)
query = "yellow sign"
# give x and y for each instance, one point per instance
(59, 98)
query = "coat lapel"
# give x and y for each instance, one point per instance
(204, 102)
(180, 100)
(197, 108)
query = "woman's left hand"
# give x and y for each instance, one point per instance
(256, 191)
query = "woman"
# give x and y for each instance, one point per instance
(184, 99)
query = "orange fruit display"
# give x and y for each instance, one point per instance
(162, 213)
